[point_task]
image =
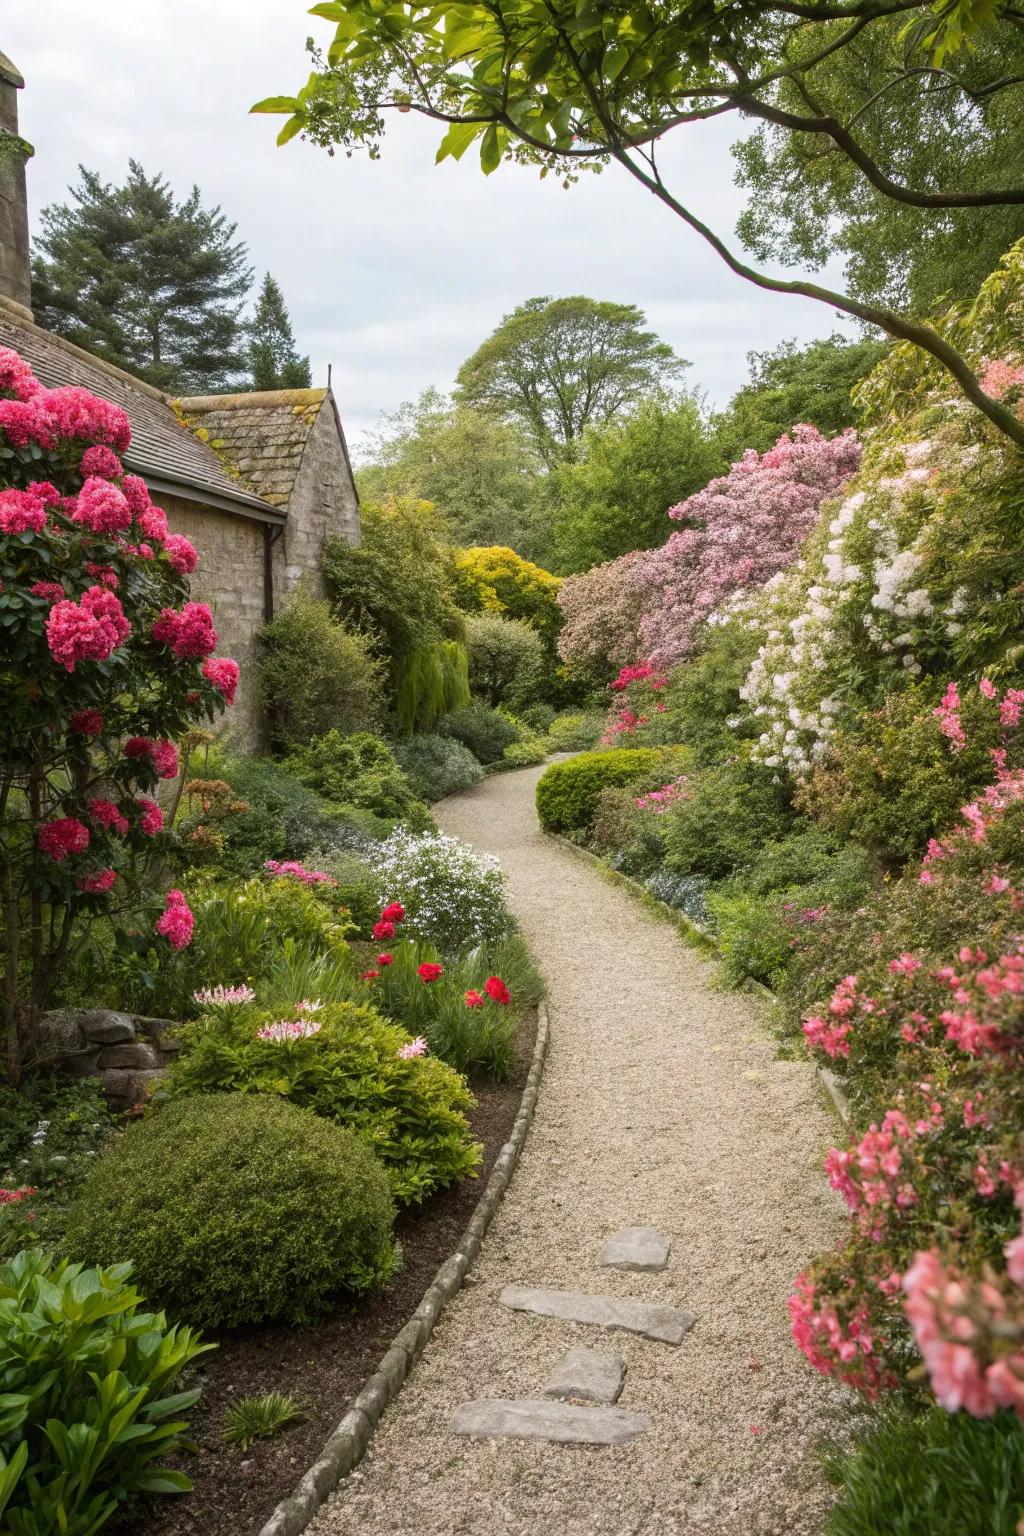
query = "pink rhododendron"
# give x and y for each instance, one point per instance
(181, 552)
(104, 813)
(88, 722)
(16, 375)
(101, 507)
(100, 460)
(26, 421)
(98, 883)
(162, 754)
(223, 673)
(21, 511)
(292, 869)
(90, 630)
(152, 819)
(189, 633)
(176, 923)
(51, 590)
(152, 523)
(63, 836)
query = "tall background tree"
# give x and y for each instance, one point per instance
(149, 283)
(791, 384)
(273, 358)
(558, 366)
(482, 474)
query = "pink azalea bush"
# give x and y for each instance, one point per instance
(105, 661)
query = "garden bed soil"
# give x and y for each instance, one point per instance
(323, 1368)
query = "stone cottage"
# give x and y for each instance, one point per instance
(256, 481)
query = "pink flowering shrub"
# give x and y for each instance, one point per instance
(105, 661)
(601, 611)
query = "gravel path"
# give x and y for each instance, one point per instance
(662, 1104)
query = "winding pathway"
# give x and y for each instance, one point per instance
(663, 1104)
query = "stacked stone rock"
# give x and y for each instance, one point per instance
(577, 1406)
(128, 1052)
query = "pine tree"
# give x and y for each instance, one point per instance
(274, 362)
(151, 284)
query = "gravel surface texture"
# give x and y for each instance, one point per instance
(663, 1104)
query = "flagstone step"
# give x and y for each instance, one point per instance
(655, 1320)
(588, 1375)
(541, 1419)
(639, 1248)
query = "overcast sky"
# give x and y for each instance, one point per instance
(393, 271)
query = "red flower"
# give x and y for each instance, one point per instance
(385, 959)
(383, 930)
(89, 722)
(428, 971)
(394, 912)
(99, 883)
(61, 837)
(368, 975)
(474, 999)
(497, 990)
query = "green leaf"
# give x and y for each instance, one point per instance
(276, 104)
(490, 150)
(293, 126)
(456, 141)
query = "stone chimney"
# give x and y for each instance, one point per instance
(15, 268)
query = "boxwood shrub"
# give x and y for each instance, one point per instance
(238, 1208)
(567, 793)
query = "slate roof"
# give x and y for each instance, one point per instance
(163, 449)
(263, 435)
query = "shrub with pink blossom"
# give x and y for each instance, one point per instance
(105, 661)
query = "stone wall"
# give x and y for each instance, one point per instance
(128, 1052)
(322, 505)
(229, 577)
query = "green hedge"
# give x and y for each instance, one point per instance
(567, 793)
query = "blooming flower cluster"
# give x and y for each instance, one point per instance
(91, 629)
(294, 869)
(287, 1030)
(970, 1332)
(222, 997)
(189, 633)
(417, 1047)
(661, 800)
(450, 896)
(177, 921)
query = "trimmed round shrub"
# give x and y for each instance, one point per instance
(576, 732)
(437, 765)
(506, 657)
(526, 753)
(485, 731)
(238, 1208)
(358, 770)
(315, 672)
(567, 793)
(453, 898)
(410, 1110)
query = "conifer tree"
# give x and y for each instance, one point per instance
(273, 359)
(144, 281)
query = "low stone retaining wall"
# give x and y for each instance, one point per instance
(128, 1052)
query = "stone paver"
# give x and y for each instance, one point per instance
(587, 1375)
(539, 1419)
(655, 1320)
(639, 1248)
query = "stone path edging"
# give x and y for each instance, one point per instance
(702, 938)
(346, 1446)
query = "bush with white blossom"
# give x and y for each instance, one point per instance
(453, 897)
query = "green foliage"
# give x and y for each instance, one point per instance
(702, 700)
(525, 753)
(574, 732)
(410, 1112)
(316, 674)
(273, 359)
(476, 1041)
(752, 936)
(557, 366)
(87, 1405)
(506, 657)
(481, 474)
(286, 819)
(931, 1474)
(807, 207)
(497, 580)
(50, 1130)
(360, 770)
(144, 281)
(396, 585)
(437, 765)
(613, 496)
(895, 781)
(734, 809)
(355, 888)
(429, 682)
(485, 731)
(568, 793)
(239, 1208)
(792, 384)
(258, 1418)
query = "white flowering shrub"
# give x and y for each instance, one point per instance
(917, 572)
(453, 898)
